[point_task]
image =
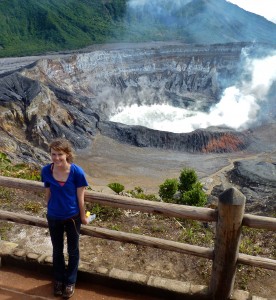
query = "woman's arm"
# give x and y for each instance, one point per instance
(80, 194)
(47, 195)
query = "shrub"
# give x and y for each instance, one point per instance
(116, 187)
(187, 179)
(195, 196)
(168, 189)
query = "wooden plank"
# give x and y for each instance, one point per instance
(254, 261)
(148, 241)
(259, 222)
(116, 236)
(166, 209)
(23, 219)
(257, 261)
(24, 184)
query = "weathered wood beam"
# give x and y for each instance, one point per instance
(166, 209)
(116, 236)
(259, 222)
(228, 232)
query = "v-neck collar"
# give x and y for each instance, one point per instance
(59, 182)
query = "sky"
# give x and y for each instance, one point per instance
(265, 8)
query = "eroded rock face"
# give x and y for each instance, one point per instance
(257, 179)
(197, 141)
(184, 76)
(74, 96)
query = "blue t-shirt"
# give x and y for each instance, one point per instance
(63, 202)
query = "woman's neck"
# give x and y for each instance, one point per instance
(62, 168)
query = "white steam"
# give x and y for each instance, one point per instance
(240, 105)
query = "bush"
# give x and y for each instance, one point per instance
(187, 179)
(189, 188)
(195, 196)
(116, 187)
(168, 189)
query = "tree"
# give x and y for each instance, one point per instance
(168, 189)
(187, 178)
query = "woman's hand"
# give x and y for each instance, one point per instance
(84, 220)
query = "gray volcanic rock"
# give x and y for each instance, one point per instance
(254, 172)
(32, 115)
(196, 141)
(16, 87)
(257, 180)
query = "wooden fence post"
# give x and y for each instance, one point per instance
(228, 230)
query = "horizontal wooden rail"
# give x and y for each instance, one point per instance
(22, 184)
(166, 209)
(259, 222)
(116, 236)
(257, 261)
(137, 239)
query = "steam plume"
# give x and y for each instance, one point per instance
(248, 103)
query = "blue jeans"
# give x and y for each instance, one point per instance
(57, 229)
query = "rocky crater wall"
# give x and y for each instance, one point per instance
(74, 96)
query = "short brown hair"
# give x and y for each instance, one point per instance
(63, 145)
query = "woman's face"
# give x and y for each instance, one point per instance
(58, 157)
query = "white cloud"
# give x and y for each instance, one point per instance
(265, 8)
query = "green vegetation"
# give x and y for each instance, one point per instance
(5, 196)
(102, 212)
(195, 196)
(251, 241)
(187, 179)
(39, 26)
(22, 170)
(5, 227)
(139, 193)
(195, 233)
(116, 187)
(33, 206)
(4, 160)
(168, 189)
(189, 189)
(36, 26)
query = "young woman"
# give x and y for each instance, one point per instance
(65, 184)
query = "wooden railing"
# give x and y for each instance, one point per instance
(229, 217)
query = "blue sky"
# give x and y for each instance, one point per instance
(265, 8)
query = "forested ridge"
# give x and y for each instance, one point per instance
(38, 26)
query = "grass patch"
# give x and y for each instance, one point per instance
(33, 206)
(5, 227)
